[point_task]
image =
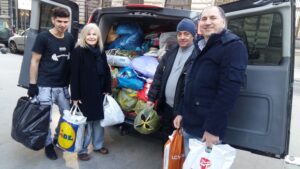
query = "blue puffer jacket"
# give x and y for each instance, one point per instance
(213, 85)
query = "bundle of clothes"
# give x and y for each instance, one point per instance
(134, 56)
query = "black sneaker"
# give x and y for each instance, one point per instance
(50, 152)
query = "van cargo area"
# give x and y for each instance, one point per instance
(135, 40)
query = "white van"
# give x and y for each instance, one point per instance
(261, 118)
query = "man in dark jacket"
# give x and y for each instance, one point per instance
(169, 75)
(213, 82)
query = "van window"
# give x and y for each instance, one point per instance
(262, 35)
(45, 17)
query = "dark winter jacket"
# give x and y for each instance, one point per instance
(87, 84)
(157, 89)
(213, 84)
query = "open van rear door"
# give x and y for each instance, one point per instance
(260, 121)
(40, 21)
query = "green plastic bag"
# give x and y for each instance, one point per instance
(140, 105)
(147, 121)
(127, 99)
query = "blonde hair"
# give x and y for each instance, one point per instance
(84, 32)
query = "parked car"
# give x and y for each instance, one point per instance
(5, 33)
(260, 121)
(16, 43)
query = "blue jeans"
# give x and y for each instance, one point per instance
(186, 137)
(93, 133)
(54, 95)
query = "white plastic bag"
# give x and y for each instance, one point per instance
(112, 112)
(71, 130)
(220, 157)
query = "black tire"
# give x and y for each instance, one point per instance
(13, 47)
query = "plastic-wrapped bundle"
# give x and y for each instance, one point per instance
(140, 105)
(131, 37)
(120, 61)
(127, 42)
(127, 78)
(127, 98)
(145, 65)
(128, 29)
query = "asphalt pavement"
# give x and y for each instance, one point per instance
(132, 151)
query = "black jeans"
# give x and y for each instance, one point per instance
(167, 117)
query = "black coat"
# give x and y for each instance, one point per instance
(212, 85)
(162, 73)
(86, 83)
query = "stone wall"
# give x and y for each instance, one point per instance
(220, 2)
(4, 10)
(86, 7)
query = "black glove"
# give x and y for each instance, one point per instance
(33, 90)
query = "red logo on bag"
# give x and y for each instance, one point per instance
(205, 163)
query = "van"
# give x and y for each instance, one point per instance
(260, 121)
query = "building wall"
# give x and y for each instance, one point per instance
(199, 5)
(87, 6)
(4, 11)
(220, 2)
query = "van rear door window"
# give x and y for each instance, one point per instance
(262, 35)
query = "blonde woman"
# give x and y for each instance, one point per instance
(90, 80)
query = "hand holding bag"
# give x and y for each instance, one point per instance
(174, 151)
(30, 123)
(221, 156)
(112, 112)
(71, 130)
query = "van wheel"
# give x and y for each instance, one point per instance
(13, 47)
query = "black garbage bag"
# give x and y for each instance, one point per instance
(30, 123)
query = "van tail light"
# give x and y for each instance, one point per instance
(142, 6)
